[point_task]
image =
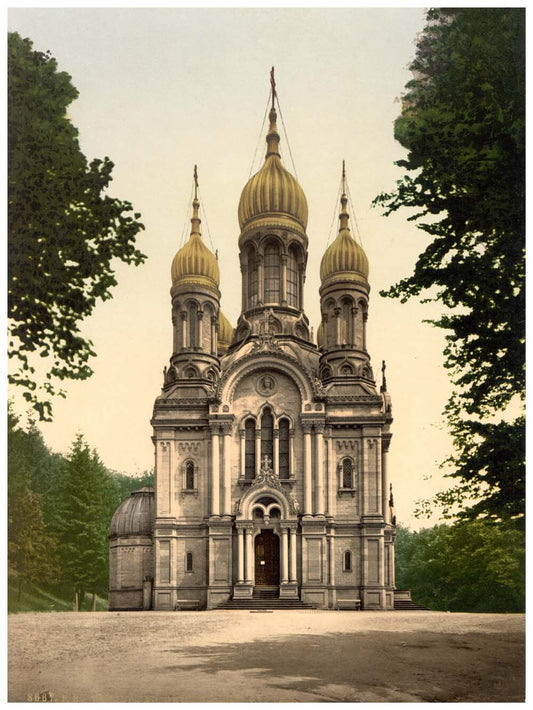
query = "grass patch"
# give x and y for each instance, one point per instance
(34, 598)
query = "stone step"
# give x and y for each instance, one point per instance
(270, 604)
(408, 605)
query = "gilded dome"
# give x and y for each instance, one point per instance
(135, 515)
(225, 332)
(345, 254)
(273, 191)
(194, 262)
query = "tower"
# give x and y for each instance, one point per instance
(270, 451)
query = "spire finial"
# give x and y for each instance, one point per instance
(273, 86)
(344, 201)
(383, 378)
(195, 219)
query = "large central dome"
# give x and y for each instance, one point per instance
(273, 195)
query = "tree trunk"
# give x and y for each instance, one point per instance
(75, 601)
(93, 605)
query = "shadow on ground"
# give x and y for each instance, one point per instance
(377, 666)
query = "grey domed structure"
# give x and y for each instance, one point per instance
(131, 567)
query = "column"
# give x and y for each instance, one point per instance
(319, 495)
(292, 573)
(242, 435)
(240, 555)
(301, 279)
(275, 463)
(226, 508)
(338, 324)
(384, 481)
(244, 272)
(175, 331)
(331, 539)
(213, 335)
(257, 452)
(284, 555)
(354, 325)
(183, 329)
(365, 318)
(215, 472)
(249, 555)
(260, 281)
(283, 280)
(332, 499)
(292, 471)
(200, 330)
(308, 492)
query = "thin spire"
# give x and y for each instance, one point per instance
(273, 86)
(383, 378)
(344, 216)
(195, 219)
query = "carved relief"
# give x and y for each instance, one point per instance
(266, 385)
(189, 447)
(346, 445)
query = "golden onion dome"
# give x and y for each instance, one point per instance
(273, 194)
(194, 262)
(225, 332)
(344, 254)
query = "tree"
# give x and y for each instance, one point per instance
(65, 233)
(463, 126)
(88, 502)
(472, 566)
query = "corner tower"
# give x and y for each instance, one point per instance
(272, 247)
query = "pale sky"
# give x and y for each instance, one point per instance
(164, 89)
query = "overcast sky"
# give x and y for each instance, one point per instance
(164, 89)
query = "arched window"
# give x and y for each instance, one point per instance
(252, 278)
(292, 278)
(284, 450)
(188, 562)
(249, 449)
(272, 267)
(193, 325)
(347, 561)
(189, 476)
(347, 336)
(347, 473)
(267, 435)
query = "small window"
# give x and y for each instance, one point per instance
(347, 561)
(189, 476)
(188, 562)
(347, 473)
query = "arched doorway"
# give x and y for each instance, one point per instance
(266, 559)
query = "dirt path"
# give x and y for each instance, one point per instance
(285, 656)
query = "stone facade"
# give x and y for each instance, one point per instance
(271, 451)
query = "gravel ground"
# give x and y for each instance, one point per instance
(283, 656)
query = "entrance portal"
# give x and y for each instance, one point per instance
(266, 558)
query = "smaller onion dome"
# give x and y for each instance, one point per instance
(225, 332)
(344, 254)
(135, 515)
(194, 262)
(320, 335)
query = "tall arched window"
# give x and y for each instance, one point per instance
(347, 335)
(267, 435)
(249, 449)
(252, 278)
(272, 268)
(189, 476)
(292, 278)
(188, 562)
(284, 450)
(347, 561)
(192, 313)
(347, 473)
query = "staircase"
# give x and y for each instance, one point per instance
(265, 599)
(403, 601)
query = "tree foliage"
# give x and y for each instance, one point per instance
(65, 232)
(471, 566)
(59, 510)
(463, 126)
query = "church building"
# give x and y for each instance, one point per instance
(270, 449)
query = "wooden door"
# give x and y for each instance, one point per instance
(266, 558)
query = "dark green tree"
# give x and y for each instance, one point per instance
(463, 126)
(471, 566)
(88, 502)
(65, 233)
